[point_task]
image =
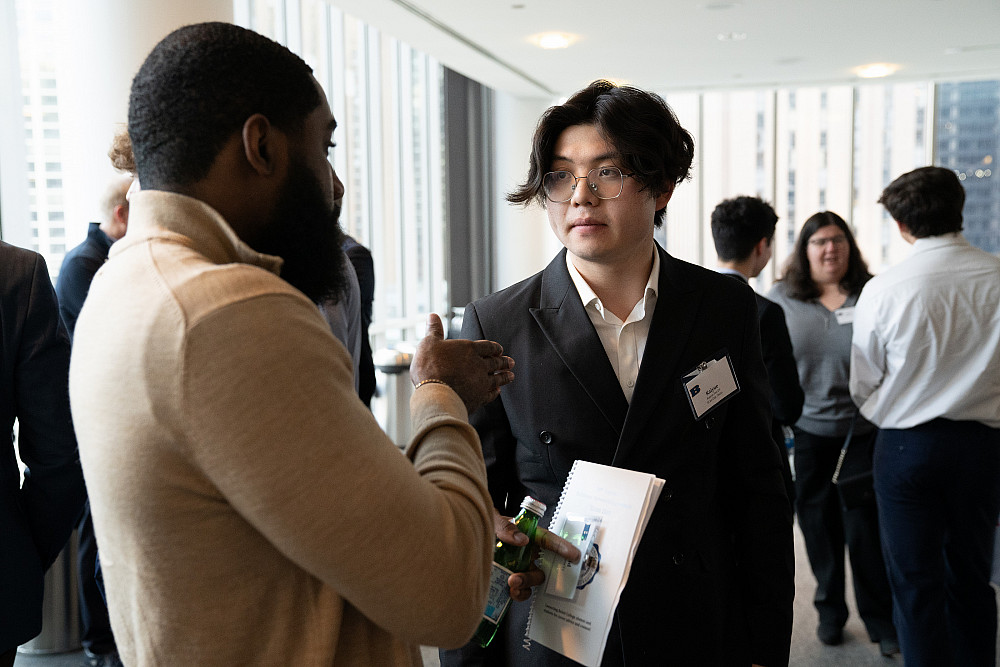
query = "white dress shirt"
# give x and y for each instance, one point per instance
(926, 340)
(624, 342)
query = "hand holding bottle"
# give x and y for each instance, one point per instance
(521, 583)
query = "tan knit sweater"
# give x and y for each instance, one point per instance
(248, 508)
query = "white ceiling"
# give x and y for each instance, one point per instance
(675, 44)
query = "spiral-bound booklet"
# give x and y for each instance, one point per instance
(604, 511)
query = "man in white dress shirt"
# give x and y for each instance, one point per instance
(924, 368)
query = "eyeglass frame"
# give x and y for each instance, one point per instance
(576, 181)
(840, 240)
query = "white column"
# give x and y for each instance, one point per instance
(524, 242)
(105, 42)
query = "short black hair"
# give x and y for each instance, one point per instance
(738, 224)
(198, 86)
(639, 125)
(928, 201)
(797, 274)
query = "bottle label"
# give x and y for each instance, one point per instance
(499, 597)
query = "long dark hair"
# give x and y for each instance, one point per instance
(796, 274)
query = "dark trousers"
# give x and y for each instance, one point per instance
(7, 659)
(938, 490)
(828, 527)
(96, 636)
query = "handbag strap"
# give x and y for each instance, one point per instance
(843, 450)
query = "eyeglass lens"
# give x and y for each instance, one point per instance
(604, 182)
(835, 240)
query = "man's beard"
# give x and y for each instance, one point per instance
(306, 235)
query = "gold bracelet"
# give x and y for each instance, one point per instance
(431, 381)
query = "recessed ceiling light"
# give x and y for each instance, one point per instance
(731, 36)
(716, 6)
(876, 70)
(553, 40)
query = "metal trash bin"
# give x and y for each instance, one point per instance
(60, 606)
(395, 389)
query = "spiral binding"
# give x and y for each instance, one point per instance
(526, 644)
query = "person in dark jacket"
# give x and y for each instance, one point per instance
(36, 517)
(78, 269)
(743, 231)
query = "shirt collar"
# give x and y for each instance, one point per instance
(732, 272)
(939, 241)
(588, 296)
(190, 221)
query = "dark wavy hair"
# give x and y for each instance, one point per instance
(639, 125)
(796, 274)
(738, 224)
(928, 201)
(198, 86)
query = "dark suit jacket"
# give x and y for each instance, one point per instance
(782, 375)
(36, 519)
(712, 581)
(77, 272)
(364, 268)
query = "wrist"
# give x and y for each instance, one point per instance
(430, 381)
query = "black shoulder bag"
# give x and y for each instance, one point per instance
(857, 490)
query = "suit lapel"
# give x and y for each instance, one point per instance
(677, 305)
(568, 328)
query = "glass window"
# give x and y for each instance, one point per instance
(386, 97)
(889, 122)
(969, 142)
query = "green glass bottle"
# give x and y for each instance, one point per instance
(507, 559)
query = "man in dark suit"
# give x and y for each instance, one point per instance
(36, 518)
(743, 229)
(604, 339)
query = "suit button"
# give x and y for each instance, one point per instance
(678, 558)
(545, 437)
(709, 422)
(666, 494)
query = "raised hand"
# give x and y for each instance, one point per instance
(474, 369)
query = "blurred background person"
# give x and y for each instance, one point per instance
(82, 262)
(818, 290)
(924, 365)
(37, 517)
(743, 229)
(75, 276)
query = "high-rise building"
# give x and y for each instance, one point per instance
(968, 141)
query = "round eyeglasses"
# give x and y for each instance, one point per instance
(604, 182)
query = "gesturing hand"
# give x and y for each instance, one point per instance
(474, 369)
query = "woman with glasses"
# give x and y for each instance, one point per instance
(820, 285)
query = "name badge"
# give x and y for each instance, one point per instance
(710, 384)
(844, 315)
